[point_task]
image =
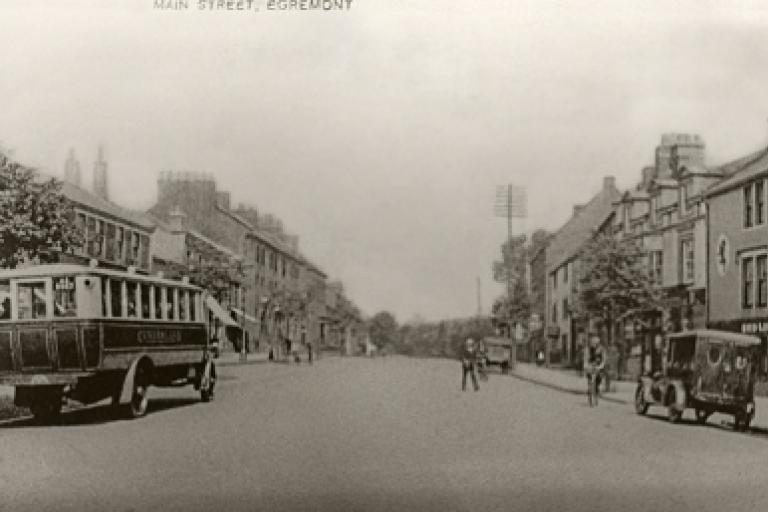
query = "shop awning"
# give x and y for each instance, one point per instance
(242, 314)
(219, 312)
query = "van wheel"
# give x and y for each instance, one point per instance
(673, 413)
(504, 368)
(206, 389)
(641, 406)
(741, 421)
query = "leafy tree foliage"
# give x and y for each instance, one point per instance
(383, 329)
(515, 255)
(36, 220)
(614, 281)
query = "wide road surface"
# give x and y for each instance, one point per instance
(383, 434)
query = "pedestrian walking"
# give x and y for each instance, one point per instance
(309, 352)
(468, 362)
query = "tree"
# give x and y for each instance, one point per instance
(37, 222)
(383, 329)
(614, 283)
(515, 305)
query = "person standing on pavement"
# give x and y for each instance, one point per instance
(468, 362)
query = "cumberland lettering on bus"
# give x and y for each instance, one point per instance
(155, 336)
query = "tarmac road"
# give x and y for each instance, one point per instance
(382, 434)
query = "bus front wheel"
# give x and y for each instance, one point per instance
(139, 402)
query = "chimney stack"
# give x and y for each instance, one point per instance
(72, 169)
(609, 183)
(177, 219)
(100, 185)
(223, 199)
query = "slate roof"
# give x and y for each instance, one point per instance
(740, 171)
(98, 204)
(567, 241)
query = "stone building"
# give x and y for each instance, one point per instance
(666, 214)
(564, 334)
(737, 234)
(282, 293)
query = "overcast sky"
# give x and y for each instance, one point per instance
(379, 134)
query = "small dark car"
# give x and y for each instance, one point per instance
(498, 351)
(708, 371)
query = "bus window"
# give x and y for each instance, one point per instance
(170, 302)
(116, 297)
(145, 305)
(192, 306)
(104, 297)
(31, 300)
(5, 300)
(183, 298)
(132, 288)
(64, 296)
(159, 293)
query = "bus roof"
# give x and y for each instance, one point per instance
(66, 269)
(738, 338)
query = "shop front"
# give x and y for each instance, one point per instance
(754, 326)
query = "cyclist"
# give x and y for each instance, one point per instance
(594, 364)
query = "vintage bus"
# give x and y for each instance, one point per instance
(86, 333)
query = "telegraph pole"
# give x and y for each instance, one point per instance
(511, 202)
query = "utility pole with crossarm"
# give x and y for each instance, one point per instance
(511, 202)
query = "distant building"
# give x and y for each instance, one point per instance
(281, 289)
(564, 334)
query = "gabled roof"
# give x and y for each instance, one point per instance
(99, 204)
(740, 171)
(567, 241)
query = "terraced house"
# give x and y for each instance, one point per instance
(114, 236)
(565, 335)
(738, 250)
(282, 294)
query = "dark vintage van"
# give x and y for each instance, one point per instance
(705, 370)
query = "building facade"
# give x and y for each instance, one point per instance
(283, 294)
(666, 215)
(738, 250)
(565, 336)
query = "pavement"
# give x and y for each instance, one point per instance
(622, 392)
(570, 381)
(382, 434)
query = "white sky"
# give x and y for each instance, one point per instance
(379, 135)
